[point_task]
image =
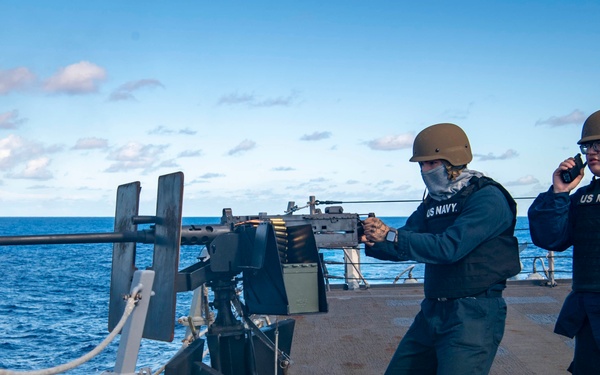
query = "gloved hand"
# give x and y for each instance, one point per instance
(375, 231)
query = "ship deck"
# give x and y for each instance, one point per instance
(360, 332)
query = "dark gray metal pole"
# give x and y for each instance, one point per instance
(52, 239)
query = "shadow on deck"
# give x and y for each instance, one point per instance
(360, 332)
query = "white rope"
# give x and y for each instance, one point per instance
(77, 362)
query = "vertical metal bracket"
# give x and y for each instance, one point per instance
(160, 323)
(123, 257)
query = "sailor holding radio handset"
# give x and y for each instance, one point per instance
(559, 220)
(464, 233)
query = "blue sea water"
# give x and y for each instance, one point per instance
(54, 298)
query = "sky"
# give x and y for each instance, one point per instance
(260, 103)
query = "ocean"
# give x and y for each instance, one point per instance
(54, 298)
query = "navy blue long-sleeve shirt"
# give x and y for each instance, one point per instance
(551, 226)
(485, 215)
(549, 220)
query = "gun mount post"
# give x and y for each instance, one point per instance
(131, 336)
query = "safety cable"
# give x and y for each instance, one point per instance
(295, 208)
(131, 302)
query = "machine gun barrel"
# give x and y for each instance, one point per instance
(190, 235)
(143, 236)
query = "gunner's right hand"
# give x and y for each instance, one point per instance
(375, 230)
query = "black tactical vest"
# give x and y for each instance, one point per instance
(586, 240)
(490, 263)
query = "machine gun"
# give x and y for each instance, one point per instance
(332, 229)
(277, 259)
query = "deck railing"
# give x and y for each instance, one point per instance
(353, 269)
(350, 272)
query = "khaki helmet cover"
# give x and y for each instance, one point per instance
(591, 128)
(442, 141)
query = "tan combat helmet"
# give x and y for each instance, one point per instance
(591, 128)
(442, 141)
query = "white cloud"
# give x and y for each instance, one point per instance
(125, 91)
(508, 154)
(135, 156)
(15, 150)
(90, 143)
(384, 182)
(281, 101)
(187, 131)
(10, 120)
(576, 117)
(245, 145)
(316, 136)
(392, 142)
(9, 151)
(236, 98)
(161, 130)
(36, 169)
(283, 169)
(211, 175)
(253, 101)
(189, 154)
(526, 180)
(15, 79)
(80, 78)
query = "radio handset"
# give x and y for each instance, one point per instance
(570, 174)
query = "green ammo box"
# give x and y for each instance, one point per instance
(301, 284)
